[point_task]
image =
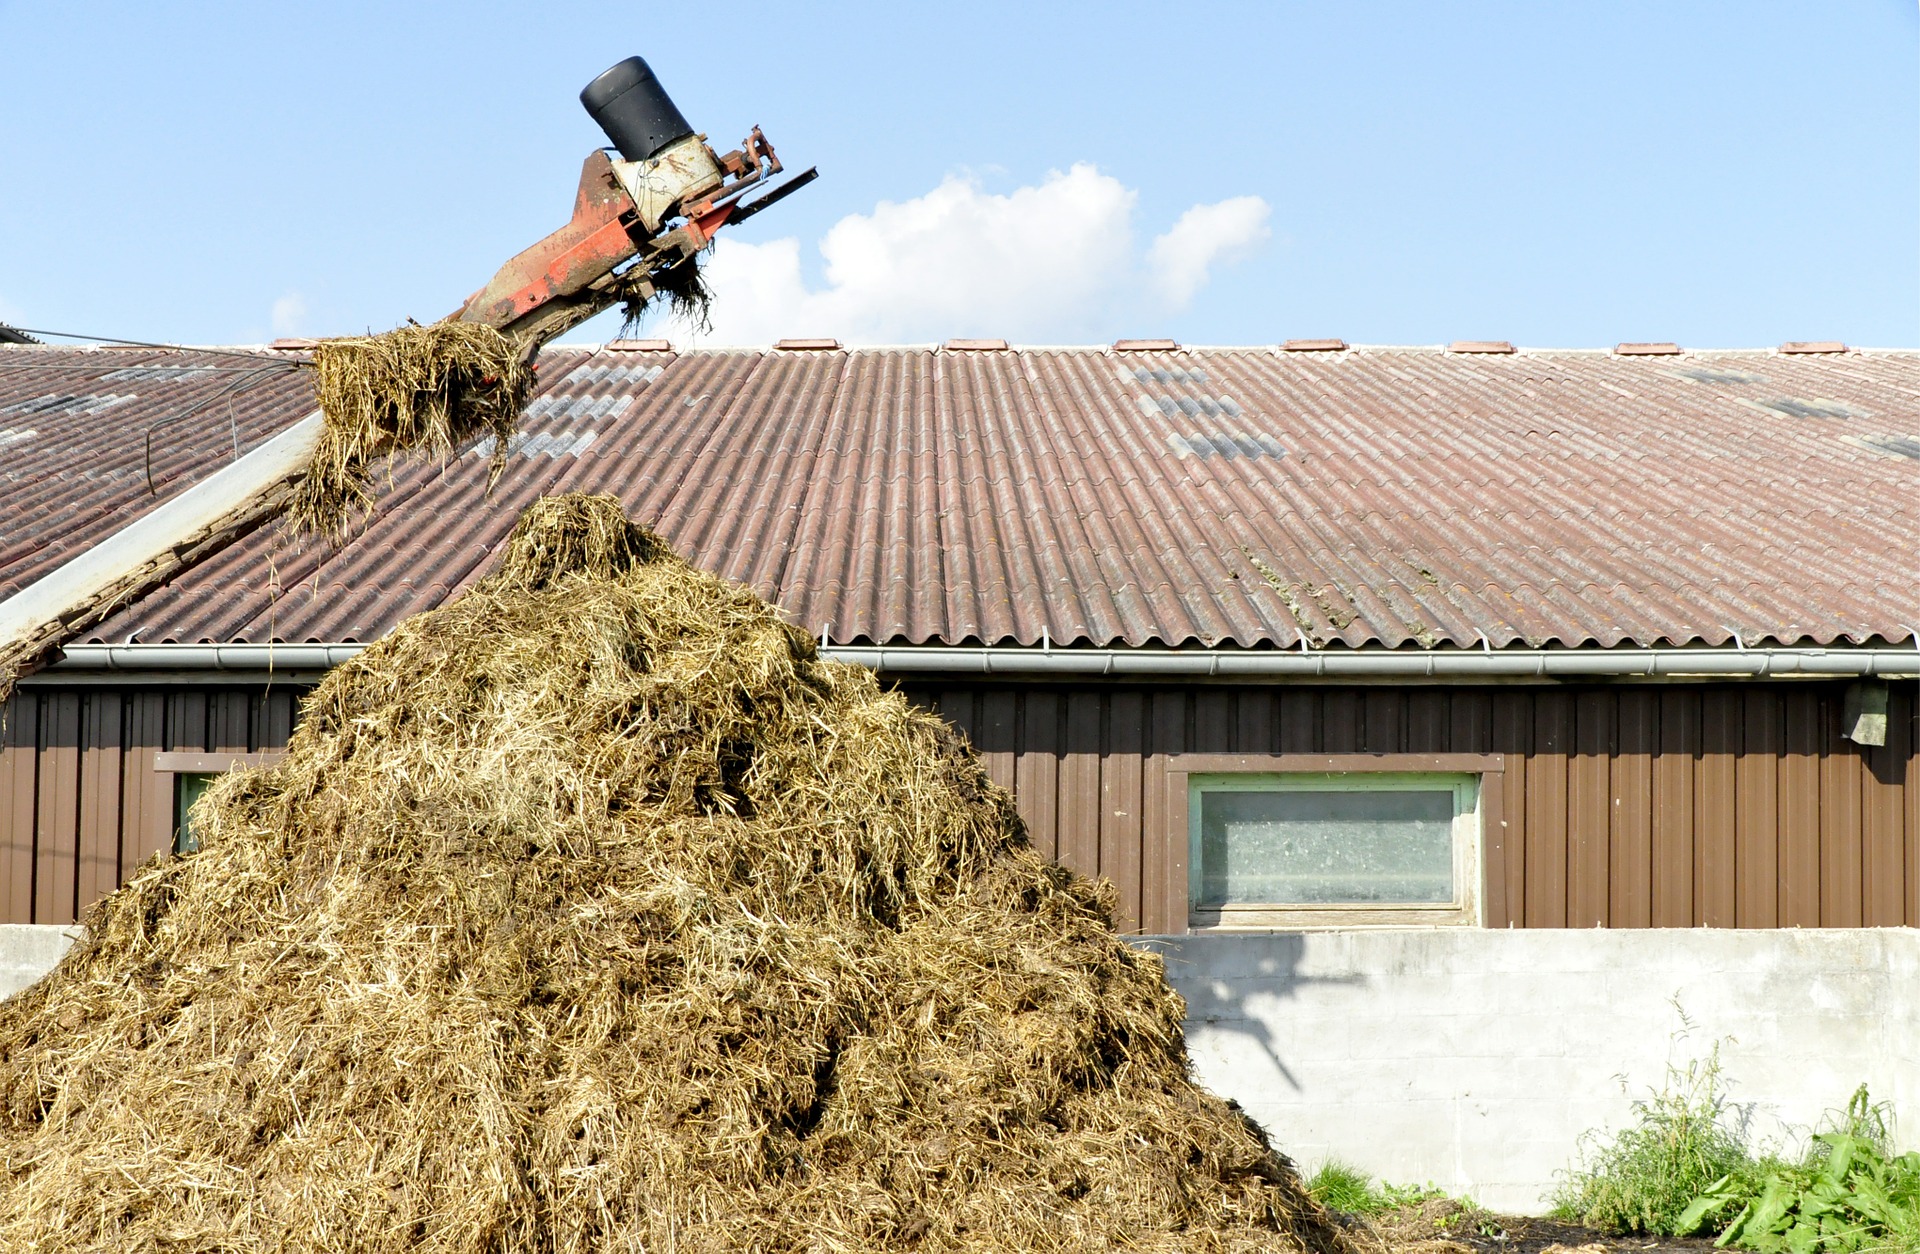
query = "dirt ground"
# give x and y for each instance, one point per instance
(1442, 1226)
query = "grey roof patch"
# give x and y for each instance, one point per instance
(57, 403)
(1794, 407)
(1893, 445)
(1704, 374)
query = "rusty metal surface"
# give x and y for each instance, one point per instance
(73, 440)
(561, 267)
(1220, 497)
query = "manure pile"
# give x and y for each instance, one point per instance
(594, 912)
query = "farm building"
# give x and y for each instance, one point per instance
(1356, 671)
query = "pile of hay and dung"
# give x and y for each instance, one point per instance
(594, 912)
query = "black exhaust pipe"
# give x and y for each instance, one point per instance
(634, 110)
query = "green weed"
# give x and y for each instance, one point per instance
(1345, 1188)
(1849, 1193)
(1680, 1170)
(1340, 1187)
(1678, 1145)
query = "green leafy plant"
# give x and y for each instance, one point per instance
(1849, 1193)
(1677, 1146)
(1399, 1195)
(1679, 1169)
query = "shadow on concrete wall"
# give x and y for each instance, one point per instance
(1219, 975)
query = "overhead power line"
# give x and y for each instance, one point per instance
(255, 355)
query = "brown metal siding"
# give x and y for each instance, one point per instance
(1842, 887)
(1630, 853)
(1885, 811)
(1674, 836)
(1802, 719)
(1757, 776)
(1620, 805)
(1505, 851)
(19, 775)
(80, 803)
(1544, 888)
(58, 815)
(1714, 798)
(146, 795)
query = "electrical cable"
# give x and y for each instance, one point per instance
(150, 365)
(228, 393)
(246, 355)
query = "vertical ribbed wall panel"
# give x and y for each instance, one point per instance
(1630, 840)
(1883, 816)
(101, 782)
(1802, 723)
(81, 805)
(56, 845)
(19, 802)
(1622, 805)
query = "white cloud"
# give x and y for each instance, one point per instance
(1206, 235)
(1056, 262)
(289, 314)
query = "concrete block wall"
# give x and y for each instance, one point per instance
(1476, 1059)
(28, 951)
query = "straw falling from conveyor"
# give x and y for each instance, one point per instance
(415, 389)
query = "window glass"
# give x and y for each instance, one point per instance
(186, 791)
(1320, 847)
(1303, 849)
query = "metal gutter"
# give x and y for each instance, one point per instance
(1460, 664)
(204, 657)
(1375, 663)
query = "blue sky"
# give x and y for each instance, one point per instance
(1721, 174)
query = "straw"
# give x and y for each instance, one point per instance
(594, 911)
(415, 389)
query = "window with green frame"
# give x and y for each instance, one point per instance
(187, 789)
(1332, 849)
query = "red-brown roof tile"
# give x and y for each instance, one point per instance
(74, 432)
(1218, 496)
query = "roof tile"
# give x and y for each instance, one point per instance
(920, 496)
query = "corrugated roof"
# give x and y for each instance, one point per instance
(1209, 496)
(74, 425)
